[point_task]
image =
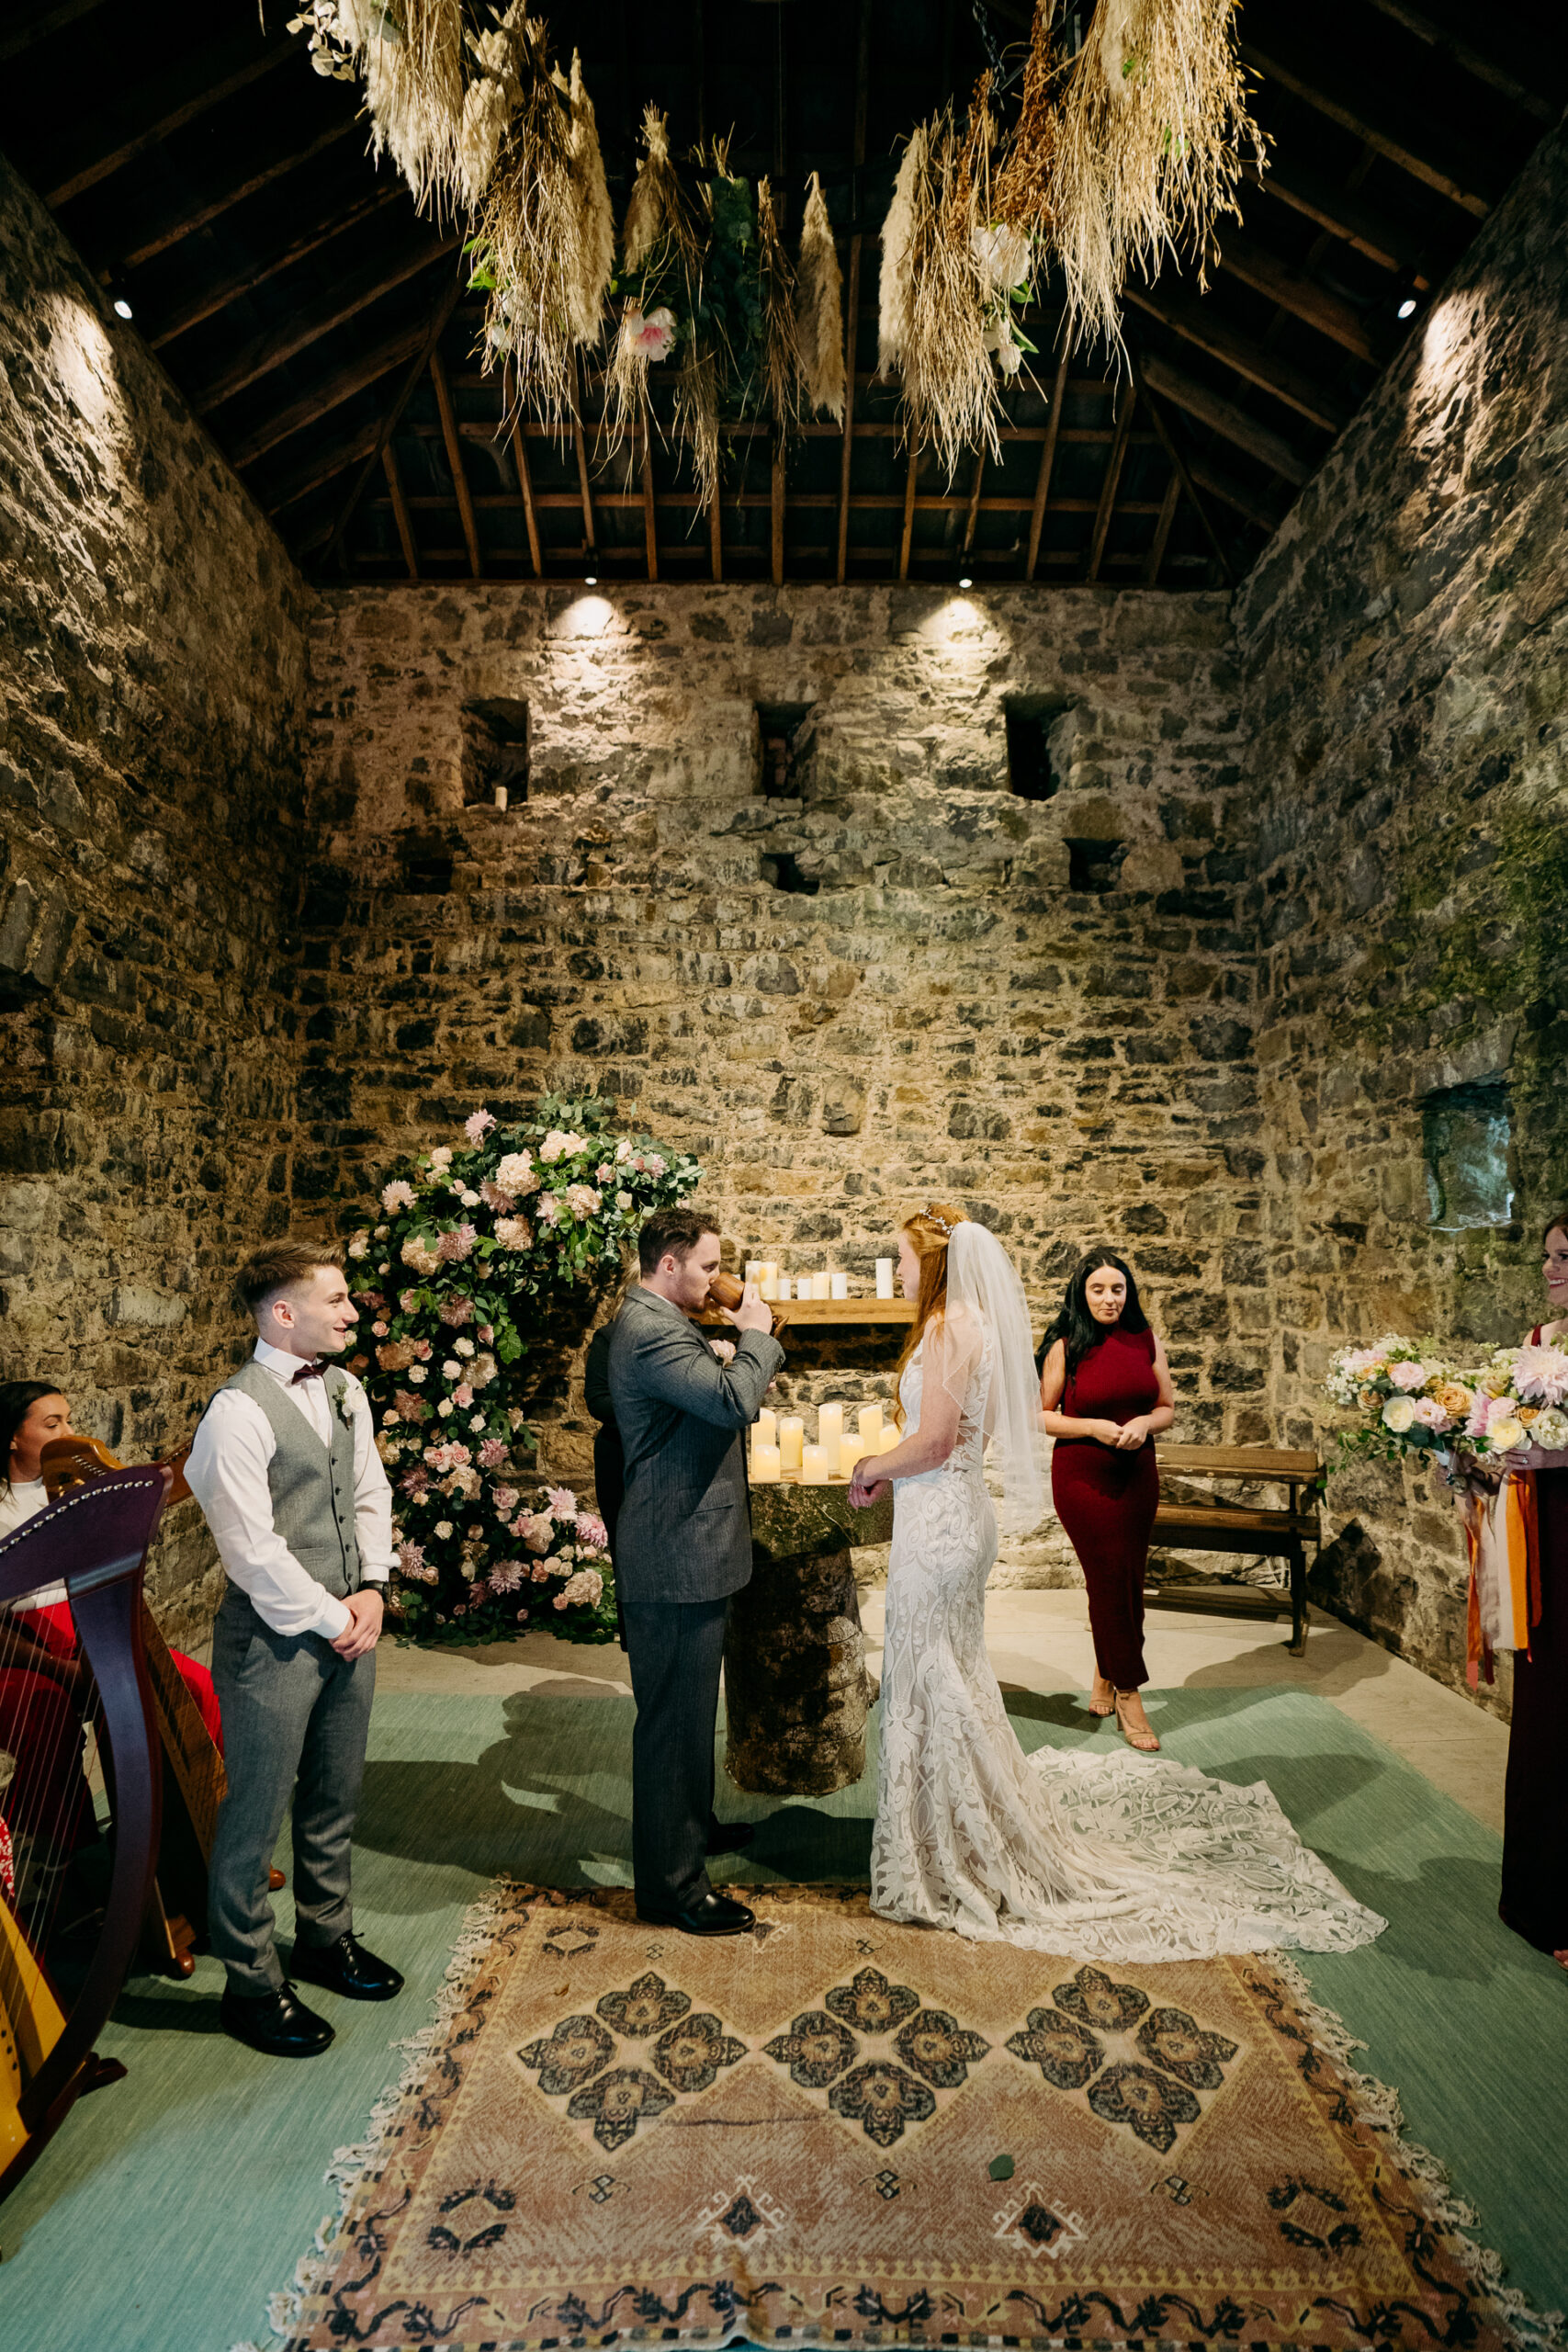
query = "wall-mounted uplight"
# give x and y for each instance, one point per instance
(967, 583)
(1408, 308)
(122, 307)
(590, 579)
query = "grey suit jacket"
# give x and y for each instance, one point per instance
(684, 1529)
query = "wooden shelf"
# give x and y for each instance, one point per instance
(845, 1310)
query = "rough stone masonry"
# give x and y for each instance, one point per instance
(1231, 931)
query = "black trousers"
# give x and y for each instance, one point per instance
(676, 1651)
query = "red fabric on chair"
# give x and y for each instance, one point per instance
(56, 1629)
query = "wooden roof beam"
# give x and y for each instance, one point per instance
(1293, 291)
(1196, 321)
(1343, 215)
(851, 294)
(326, 462)
(649, 521)
(206, 302)
(526, 492)
(1407, 144)
(1223, 418)
(165, 103)
(1127, 402)
(435, 327)
(183, 219)
(1231, 493)
(1179, 459)
(449, 435)
(1161, 540)
(355, 375)
(1047, 459)
(400, 515)
(42, 24)
(340, 302)
(1545, 105)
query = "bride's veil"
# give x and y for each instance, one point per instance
(983, 1288)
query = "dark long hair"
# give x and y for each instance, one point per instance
(1075, 1326)
(17, 1398)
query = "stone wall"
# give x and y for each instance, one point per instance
(1403, 645)
(899, 981)
(152, 667)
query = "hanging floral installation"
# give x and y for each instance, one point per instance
(1130, 152)
(477, 1242)
(819, 309)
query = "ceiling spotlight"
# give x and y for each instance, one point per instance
(1408, 308)
(122, 307)
(967, 583)
(591, 580)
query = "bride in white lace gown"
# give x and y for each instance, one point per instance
(1117, 1856)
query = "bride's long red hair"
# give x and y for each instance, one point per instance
(929, 1231)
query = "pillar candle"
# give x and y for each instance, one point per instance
(840, 1285)
(885, 1278)
(764, 1466)
(813, 1465)
(821, 1285)
(892, 1435)
(765, 1429)
(850, 1452)
(754, 1269)
(770, 1270)
(768, 1287)
(792, 1437)
(831, 1429)
(869, 1419)
(500, 797)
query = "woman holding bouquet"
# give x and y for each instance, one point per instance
(1535, 1804)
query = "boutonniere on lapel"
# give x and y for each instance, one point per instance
(344, 1409)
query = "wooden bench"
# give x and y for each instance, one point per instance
(1219, 1526)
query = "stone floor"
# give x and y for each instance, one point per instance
(1039, 1641)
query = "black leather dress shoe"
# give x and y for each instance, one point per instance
(347, 1967)
(278, 2024)
(730, 1836)
(715, 1915)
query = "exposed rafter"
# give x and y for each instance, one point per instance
(1199, 321)
(1409, 145)
(172, 98)
(217, 293)
(1223, 416)
(312, 321)
(140, 245)
(353, 376)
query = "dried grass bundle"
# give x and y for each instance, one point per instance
(660, 247)
(535, 239)
(781, 340)
(912, 197)
(819, 309)
(594, 246)
(1021, 190)
(493, 94)
(696, 418)
(410, 55)
(1149, 137)
(939, 312)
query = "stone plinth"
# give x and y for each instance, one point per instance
(795, 1686)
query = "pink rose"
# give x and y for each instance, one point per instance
(478, 1126)
(452, 1247)
(1430, 1414)
(1408, 1376)
(493, 1197)
(397, 1196)
(493, 1454)
(548, 1209)
(462, 1395)
(592, 1530)
(561, 1503)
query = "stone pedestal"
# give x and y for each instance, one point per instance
(794, 1679)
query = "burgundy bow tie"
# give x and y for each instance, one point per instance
(308, 1372)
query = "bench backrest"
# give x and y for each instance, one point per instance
(1239, 1461)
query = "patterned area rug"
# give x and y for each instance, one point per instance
(842, 2133)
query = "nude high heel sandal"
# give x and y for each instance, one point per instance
(1145, 1743)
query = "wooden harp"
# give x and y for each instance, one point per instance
(51, 2010)
(195, 1784)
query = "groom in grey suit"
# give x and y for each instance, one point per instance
(682, 1546)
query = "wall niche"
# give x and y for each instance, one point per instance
(787, 738)
(1031, 771)
(1467, 1135)
(494, 761)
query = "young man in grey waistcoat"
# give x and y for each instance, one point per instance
(284, 1467)
(682, 1546)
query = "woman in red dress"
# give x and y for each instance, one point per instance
(1105, 1390)
(1535, 1800)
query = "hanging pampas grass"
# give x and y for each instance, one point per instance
(943, 320)
(819, 309)
(492, 98)
(912, 197)
(661, 250)
(781, 338)
(594, 245)
(1141, 153)
(1021, 192)
(410, 56)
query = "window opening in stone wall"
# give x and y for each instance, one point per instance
(1030, 718)
(427, 869)
(781, 869)
(786, 733)
(1467, 1135)
(495, 751)
(1094, 866)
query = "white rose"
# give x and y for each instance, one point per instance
(390, 1420)
(470, 1567)
(444, 1530)
(1502, 1436)
(623, 1151)
(623, 1199)
(478, 1422)
(384, 1267)
(469, 1200)
(417, 1374)
(360, 1246)
(1399, 1414)
(1549, 1430)
(451, 1370)
(382, 1231)
(444, 1408)
(464, 1347)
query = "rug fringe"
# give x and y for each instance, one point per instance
(1377, 2106)
(285, 2309)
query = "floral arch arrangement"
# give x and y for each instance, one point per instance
(477, 1242)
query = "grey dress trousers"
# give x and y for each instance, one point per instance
(682, 1546)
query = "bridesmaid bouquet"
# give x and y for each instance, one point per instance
(1414, 1399)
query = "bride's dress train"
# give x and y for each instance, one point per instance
(1098, 1856)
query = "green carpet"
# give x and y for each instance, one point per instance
(172, 2203)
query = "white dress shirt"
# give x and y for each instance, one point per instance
(227, 1474)
(21, 1500)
